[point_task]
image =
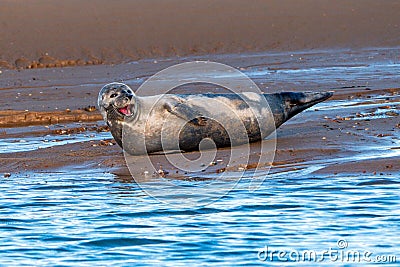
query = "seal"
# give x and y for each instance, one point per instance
(171, 122)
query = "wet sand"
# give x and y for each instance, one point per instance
(356, 131)
(56, 56)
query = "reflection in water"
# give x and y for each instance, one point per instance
(80, 216)
(11, 145)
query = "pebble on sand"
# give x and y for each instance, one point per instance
(90, 108)
(4, 64)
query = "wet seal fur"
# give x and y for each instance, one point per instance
(171, 122)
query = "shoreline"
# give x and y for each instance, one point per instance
(56, 63)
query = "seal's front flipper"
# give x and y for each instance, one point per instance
(187, 113)
(200, 121)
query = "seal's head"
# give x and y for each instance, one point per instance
(116, 102)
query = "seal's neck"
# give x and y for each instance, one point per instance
(116, 121)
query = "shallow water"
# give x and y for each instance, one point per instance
(29, 143)
(82, 217)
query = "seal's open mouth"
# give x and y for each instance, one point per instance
(125, 110)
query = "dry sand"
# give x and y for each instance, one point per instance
(78, 32)
(36, 34)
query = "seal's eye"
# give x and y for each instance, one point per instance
(113, 95)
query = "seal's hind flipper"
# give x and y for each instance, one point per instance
(187, 113)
